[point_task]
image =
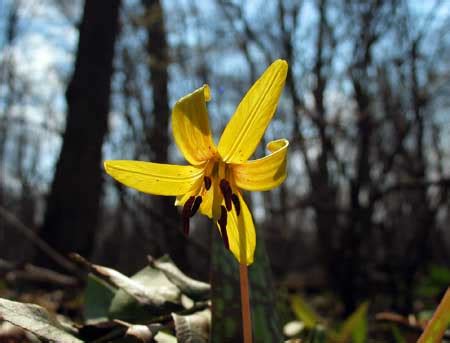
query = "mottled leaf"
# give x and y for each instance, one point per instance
(125, 306)
(195, 289)
(226, 309)
(146, 294)
(162, 337)
(193, 328)
(97, 299)
(35, 319)
(143, 333)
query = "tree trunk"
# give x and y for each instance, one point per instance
(157, 134)
(71, 216)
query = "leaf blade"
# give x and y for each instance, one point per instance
(437, 325)
(35, 319)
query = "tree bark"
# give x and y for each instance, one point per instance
(72, 212)
(157, 135)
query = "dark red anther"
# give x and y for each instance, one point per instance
(236, 203)
(226, 192)
(223, 226)
(196, 205)
(207, 181)
(186, 214)
(186, 226)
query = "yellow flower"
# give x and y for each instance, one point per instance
(213, 181)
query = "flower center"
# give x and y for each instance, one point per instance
(219, 174)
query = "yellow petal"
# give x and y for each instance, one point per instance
(207, 203)
(155, 178)
(190, 127)
(241, 234)
(245, 129)
(181, 199)
(207, 200)
(264, 173)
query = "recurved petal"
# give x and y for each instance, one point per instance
(241, 234)
(190, 126)
(155, 178)
(253, 115)
(264, 173)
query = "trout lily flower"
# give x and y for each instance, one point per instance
(213, 181)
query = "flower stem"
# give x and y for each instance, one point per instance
(245, 304)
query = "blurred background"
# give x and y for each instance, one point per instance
(364, 212)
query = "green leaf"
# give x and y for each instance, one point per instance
(398, 337)
(440, 274)
(439, 322)
(304, 312)
(97, 299)
(35, 319)
(317, 335)
(437, 279)
(354, 326)
(193, 328)
(197, 290)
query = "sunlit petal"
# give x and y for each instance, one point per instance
(264, 173)
(241, 234)
(207, 203)
(253, 115)
(190, 126)
(181, 199)
(207, 200)
(155, 178)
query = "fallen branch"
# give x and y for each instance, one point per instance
(31, 273)
(409, 323)
(39, 242)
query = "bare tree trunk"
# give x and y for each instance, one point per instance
(158, 54)
(7, 77)
(72, 212)
(425, 214)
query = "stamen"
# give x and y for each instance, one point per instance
(186, 226)
(236, 203)
(207, 180)
(186, 214)
(223, 226)
(227, 192)
(195, 207)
